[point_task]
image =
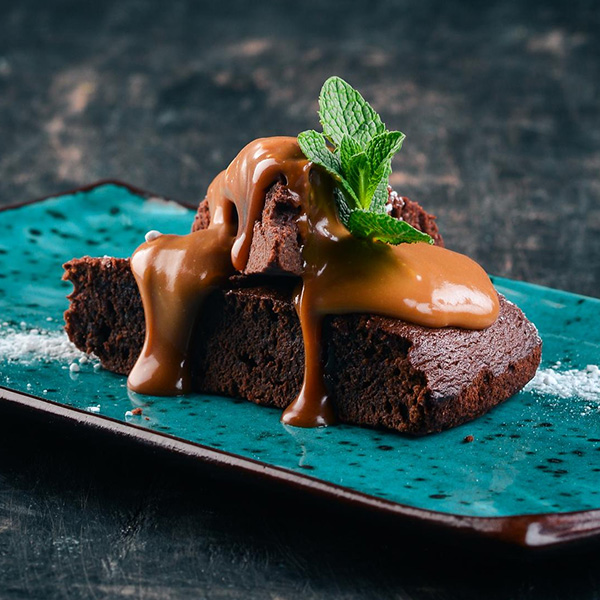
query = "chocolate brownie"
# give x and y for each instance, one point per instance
(248, 344)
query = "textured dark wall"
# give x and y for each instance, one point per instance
(500, 102)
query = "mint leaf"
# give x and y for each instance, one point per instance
(368, 171)
(380, 151)
(381, 195)
(348, 148)
(344, 210)
(343, 111)
(382, 147)
(360, 162)
(383, 227)
(314, 146)
(365, 178)
(358, 177)
(364, 147)
(377, 177)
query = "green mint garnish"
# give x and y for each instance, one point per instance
(359, 158)
(384, 228)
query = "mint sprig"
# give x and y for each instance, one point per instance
(359, 158)
(382, 227)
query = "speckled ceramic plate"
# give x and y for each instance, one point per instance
(530, 476)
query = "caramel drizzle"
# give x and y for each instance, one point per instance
(422, 284)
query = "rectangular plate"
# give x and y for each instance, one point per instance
(530, 477)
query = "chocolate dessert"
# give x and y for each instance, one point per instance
(307, 284)
(248, 344)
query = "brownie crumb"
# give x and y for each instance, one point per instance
(468, 439)
(136, 411)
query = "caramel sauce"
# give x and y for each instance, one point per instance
(423, 284)
(175, 274)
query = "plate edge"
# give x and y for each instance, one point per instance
(96, 184)
(531, 532)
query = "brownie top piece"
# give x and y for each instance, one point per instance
(276, 243)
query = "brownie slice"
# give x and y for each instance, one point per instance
(105, 317)
(248, 344)
(276, 244)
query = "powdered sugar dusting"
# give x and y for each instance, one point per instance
(27, 346)
(574, 383)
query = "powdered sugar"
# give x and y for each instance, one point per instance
(574, 383)
(27, 346)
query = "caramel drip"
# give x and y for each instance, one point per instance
(175, 274)
(422, 284)
(318, 225)
(245, 182)
(419, 283)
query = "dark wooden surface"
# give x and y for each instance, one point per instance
(82, 518)
(501, 105)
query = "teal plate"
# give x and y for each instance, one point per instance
(530, 476)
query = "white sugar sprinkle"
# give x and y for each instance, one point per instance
(152, 235)
(74, 368)
(575, 383)
(36, 345)
(93, 409)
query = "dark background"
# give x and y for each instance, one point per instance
(501, 105)
(500, 102)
